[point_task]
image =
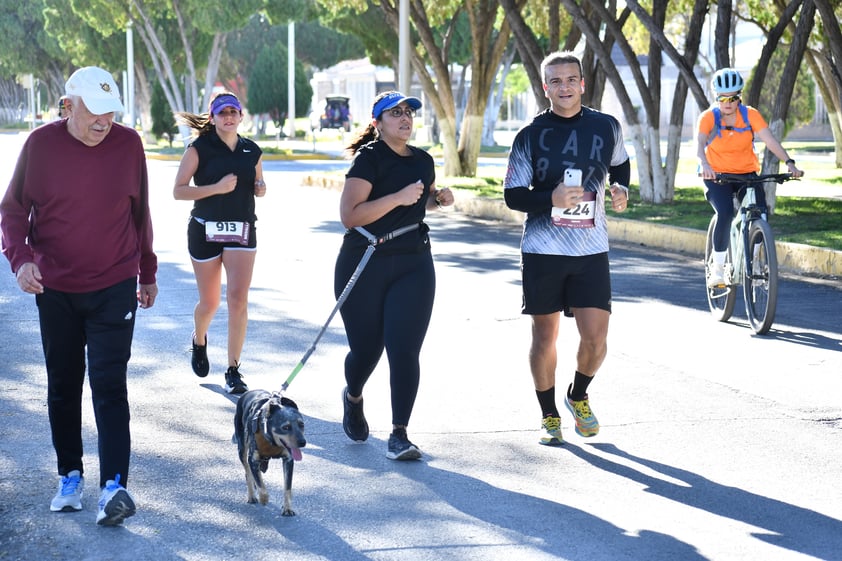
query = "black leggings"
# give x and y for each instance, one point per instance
(721, 198)
(388, 308)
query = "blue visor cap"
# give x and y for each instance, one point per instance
(223, 101)
(393, 99)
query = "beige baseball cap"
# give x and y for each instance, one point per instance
(97, 89)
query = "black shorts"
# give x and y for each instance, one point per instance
(202, 250)
(557, 283)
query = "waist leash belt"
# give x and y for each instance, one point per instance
(373, 242)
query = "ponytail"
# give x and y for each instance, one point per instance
(362, 138)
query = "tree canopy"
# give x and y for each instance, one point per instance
(188, 46)
(268, 91)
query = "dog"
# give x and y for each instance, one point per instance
(267, 426)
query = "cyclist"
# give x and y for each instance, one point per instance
(725, 144)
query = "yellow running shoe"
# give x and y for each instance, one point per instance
(552, 431)
(586, 423)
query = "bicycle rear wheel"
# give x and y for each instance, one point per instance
(721, 299)
(760, 285)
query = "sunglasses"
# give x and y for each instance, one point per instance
(727, 98)
(397, 112)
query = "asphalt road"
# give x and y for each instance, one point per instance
(716, 444)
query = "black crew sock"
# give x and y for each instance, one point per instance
(579, 391)
(546, 399)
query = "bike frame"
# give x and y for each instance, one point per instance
(747, 213)
(751, 259)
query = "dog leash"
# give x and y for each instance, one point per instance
(373, 242)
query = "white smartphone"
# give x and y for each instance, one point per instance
(572, 177)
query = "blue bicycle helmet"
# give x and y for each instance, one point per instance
(726, 80)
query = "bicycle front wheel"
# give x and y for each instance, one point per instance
(721, 299)
(760, 285)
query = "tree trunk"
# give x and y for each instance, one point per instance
(160, 60)
(486, 53)
(806, 20)
(833, 98)
(722, 34)
(219, 40)
(692, 42)
(495, 98)
(773, 38)
(531, 53)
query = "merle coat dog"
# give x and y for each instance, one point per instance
(268, 426)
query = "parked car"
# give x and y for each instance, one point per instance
(336, 114)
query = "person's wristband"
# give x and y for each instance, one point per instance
(790, 161)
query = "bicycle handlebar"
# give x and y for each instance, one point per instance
(747, 178)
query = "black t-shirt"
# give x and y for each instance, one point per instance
(388, 173)
(216, 161)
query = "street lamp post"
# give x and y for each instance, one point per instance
(403, 47)
(291, 81)
(129, 93)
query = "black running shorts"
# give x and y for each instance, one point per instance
(557, 283)
(202, 250)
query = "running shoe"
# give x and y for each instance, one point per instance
(716, 276)
(234, 381)
(586, 423)
(115, 504)
(199, 357)
(353, 419)
(551, 435)
(400, 448)
(69, 495)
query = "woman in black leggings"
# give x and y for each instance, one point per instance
(387, 191)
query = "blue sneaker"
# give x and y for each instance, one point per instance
(115, 504)
(69, 495)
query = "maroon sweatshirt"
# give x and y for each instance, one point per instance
(81, 213)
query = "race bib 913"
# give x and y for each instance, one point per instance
(227, 231)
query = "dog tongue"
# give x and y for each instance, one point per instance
(296, 454)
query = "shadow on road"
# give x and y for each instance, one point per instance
(784, 523)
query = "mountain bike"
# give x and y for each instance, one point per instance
(751, 259)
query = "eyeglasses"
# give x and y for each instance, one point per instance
(727, 98)
(397, 112)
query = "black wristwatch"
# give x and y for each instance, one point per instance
(790, 161)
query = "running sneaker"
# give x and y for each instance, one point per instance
(199, 357)
(552, 431)
(234, 381)
(69, 495)
(400, 448)
(586, 423)
(353, 419)
(115, 504)
(716, 276)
